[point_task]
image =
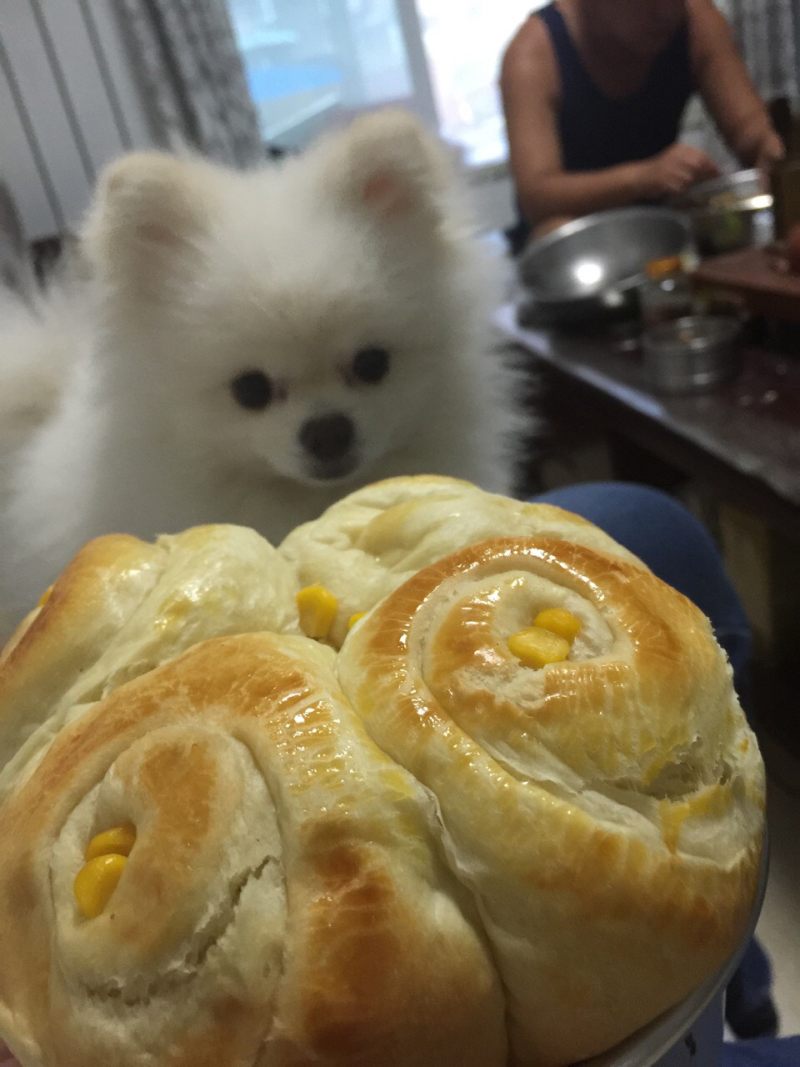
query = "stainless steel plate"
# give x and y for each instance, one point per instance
(594, 258)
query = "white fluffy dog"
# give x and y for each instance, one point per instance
(256, 343)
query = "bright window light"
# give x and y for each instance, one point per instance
(311, 64)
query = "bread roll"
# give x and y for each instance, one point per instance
(283, 904)
(122, 607)
(606, 811)
(414, 852)
(370, 542)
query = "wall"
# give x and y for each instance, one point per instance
(68, 103)
(492, 197)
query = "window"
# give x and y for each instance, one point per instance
(314, 63)
(463, 45)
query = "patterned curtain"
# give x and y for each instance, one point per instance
(767, 32)
(192, 73)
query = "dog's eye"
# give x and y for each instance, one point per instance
(370, 365)
(252, 389)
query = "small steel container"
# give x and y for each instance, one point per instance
(692, 354)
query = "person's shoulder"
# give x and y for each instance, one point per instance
(709, 31)
(701, 9)
(703, 15)
(529, 54)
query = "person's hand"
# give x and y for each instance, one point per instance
(770, 151)
(674, 170)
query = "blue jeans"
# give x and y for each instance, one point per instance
(678, 548)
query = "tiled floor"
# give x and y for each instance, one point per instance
(779, 925)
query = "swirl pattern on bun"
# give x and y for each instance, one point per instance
(377, 537)
(605, 810)
(503, 811)
(122, 607)
(283, 903)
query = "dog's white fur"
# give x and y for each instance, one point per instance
(202, 273)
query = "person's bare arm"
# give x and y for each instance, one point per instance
(529, 87)
(727, 89)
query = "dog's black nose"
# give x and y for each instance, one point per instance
(328, 437)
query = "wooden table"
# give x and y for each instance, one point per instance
(742, 440)
(741, 443)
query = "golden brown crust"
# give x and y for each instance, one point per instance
(283, 880)
(376, 538)
(59, 639)
(123, 607)
(607, 810)
(584, 837)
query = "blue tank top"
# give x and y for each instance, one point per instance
(598, 131)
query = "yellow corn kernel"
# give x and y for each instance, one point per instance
(118, 840)
(96, 882)
(354, 619)
(558, 621)
(317, 606)
(536, 647)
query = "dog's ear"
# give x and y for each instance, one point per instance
(388, 164)
(149, 208)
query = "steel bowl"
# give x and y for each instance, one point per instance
(728, 189)
(590, 265)
(731, 212)
(692, 354)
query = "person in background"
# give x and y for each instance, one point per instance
(594, 92)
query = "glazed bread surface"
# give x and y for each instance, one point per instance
(122, 607)
(401, 845)
(284, 902)
(606, 810)
(370, 542)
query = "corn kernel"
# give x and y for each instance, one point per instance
(119, 840)
(96, 882)
(354, 619)
(559, 621)
(536, 647)
(317, 607)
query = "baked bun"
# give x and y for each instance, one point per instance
(284, 902)
(606, 810)
(429, 848)
(370, 542)
(122, 607)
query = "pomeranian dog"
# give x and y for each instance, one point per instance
(254, 344)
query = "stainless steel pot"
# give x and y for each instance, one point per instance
(727, 189)
(731, 212)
